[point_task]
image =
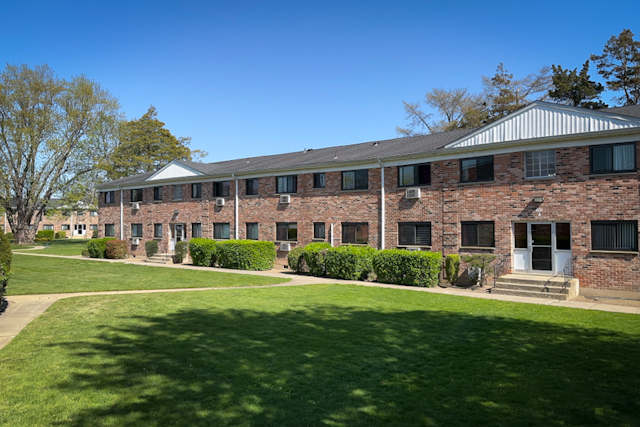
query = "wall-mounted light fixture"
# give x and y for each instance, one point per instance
(177, 211)
(538, 199)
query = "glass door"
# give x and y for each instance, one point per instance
(541, 246)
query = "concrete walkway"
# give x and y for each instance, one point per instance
(24, 308)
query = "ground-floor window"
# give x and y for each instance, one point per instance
(287, 231)
(355, 232)
(196, 229)
(109, 230)
(414, 233)
(93, 226)
(252, 231)
(157, 231)
(47, 227)
(221, 231)
(478, 233)
(614, 235)
(136, 230)
(318, 230)
(65, 227)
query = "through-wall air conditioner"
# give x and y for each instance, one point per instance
(135, 241)
(413, 193)
(135, 205)
(412, 249)
(285, 198)
(220, 202)
(285, 247)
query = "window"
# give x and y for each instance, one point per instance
(478, 234)
(287, 231)
(286, 184)
(409, 176)
(563, 236)
(47, 227)
(157, 231)
(476, 169)
(252, 231)
(614, 235)
(539, 164)
(221, 189)
(136, 230)
(221, 231)
(196, 191)
(318, 180)
(136, 195)
(110, 197)
(157, 193)
(414, 233)
(196, 229)
(109, 230)
(355, 180)
(93, 213)
(177, 192)
(252, 187)
(613, 158)
(93, 226)
(318, 230)
(65, 227)
(355, 233)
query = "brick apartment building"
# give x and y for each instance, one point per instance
(549, 187)
(75, 223)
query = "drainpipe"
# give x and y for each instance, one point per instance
(331, 234)
(121, 214)
(235, 207)
(383, 208)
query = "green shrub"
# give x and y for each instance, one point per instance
(452, 267)
(85, 253)
(481, 262)
(203, 251)
(94, 235)
(97, 247)
(5, 251)
(246, 254)
(412, 268)
(116, 249)
(295, 260)
(314, 255)
(45, 235)
(180, 252)
(349, 262)
(151, 248)
(61, 235)
(9, 236)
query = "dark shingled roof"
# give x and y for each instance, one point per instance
(367, 151)
(627, 110)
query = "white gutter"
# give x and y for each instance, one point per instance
(382, 205)
(235, 207)
(121, 215)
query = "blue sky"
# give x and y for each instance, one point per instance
(253, 78)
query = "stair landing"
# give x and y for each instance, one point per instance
(160, 259)
(537, 286)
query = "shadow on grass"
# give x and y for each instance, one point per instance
(336, 366)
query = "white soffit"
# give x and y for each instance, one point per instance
(174, 170)
(542, 119)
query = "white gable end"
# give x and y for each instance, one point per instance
(173, 170)
(539, 120)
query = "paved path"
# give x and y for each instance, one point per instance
(24, 308)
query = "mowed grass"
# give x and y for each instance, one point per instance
(44, 275)
(65, 247)
(327, 355)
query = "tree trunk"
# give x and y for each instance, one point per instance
(23, 236)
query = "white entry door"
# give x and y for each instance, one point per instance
(541, 247)
(79, 229)
(177, 235)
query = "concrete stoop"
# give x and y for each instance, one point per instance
(537, 286)
(160, 259)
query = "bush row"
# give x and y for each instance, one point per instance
(236, 254)
(5, 266)
(97, 247)
(44, 235)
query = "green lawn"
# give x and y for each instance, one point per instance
(66, 247)
(332, 355)
(43, 275)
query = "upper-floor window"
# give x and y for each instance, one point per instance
(157, 193)
(355, 232)
(221, 231)
(287, 231)
(355, 180)
(409, 176)
(221, 189)
(287, 184)
(177, 192)
(613, 158)
(252, 186)
(252, 230)
(136, 230)
(539, 164)
(136, 195)
(476, 169)
(414, 233)
(196, 191)
(109, 196)
(478, 233)
(318, 180)
(614, 235)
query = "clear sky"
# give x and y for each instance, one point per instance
(253, 78)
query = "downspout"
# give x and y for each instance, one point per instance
(121, 214)
(235, 207)
(331, 234)
(383, 208)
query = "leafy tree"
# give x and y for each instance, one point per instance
(619, 64)
(577, 89)
(146, 146)
(52, 134)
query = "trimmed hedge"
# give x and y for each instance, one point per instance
(5, 266)
(314, 255)
(151, 248)
(295, 260)
(97, 247)
(350, 262)
(402, 267)
(203, 252)
(94, 235)
(246, 254)
(45, 235)
(180, 252)
(116, 249)
(452, 267)
(61, 235)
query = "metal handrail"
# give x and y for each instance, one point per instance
(499, 268)
(567, 272)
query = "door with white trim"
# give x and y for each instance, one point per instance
(541, 247)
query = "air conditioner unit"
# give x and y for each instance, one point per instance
(285, 247)
(220, 202)
(412, 249)
(135, 241)
(285, 198)
(413, 193)
(135, 205)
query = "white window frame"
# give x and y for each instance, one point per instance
(533, 164)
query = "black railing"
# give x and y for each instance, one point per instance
(567, 272)
(503, 264)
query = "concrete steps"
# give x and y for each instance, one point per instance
(536, 286)
(160, 259)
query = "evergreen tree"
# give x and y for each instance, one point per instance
(577, 89)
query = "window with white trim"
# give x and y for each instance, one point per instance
(539, 164)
